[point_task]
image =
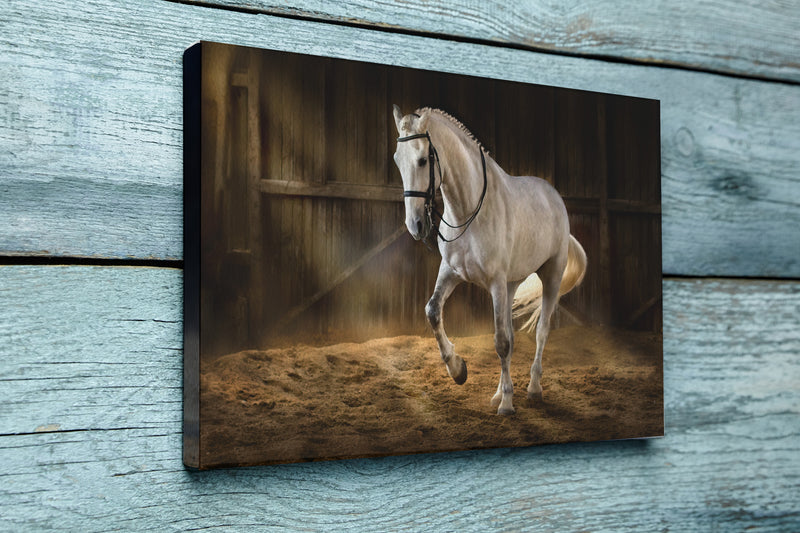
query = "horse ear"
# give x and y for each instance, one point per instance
(398, 116)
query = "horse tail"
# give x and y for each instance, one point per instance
(528, 298)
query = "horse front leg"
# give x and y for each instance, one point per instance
(446, 281)
(502, 295)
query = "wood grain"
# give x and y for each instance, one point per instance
(91, 132)
(90, 369)
(743, 38)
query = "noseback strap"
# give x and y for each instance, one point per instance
(414, 136)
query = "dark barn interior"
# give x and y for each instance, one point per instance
(302, 214)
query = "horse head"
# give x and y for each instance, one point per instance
(414, 158)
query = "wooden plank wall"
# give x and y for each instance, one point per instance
(91, 355)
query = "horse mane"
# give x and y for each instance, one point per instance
(455, 122)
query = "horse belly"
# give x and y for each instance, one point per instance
(526, 260)
(481, 261)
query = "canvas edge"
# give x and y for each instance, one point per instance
(192, 107)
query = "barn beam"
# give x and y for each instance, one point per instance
(645, 307)
(352, 191)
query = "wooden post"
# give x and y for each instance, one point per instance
(602, 178)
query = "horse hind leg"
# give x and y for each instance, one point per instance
(446, 281)
(550, 273)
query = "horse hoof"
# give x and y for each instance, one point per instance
(461, 377)
(535, 397)
(506, 411)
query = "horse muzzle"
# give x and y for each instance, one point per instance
(419, 227)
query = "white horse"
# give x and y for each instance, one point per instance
(496, 231)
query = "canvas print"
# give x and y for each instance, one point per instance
(382, 260)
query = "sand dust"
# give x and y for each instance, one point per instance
(393, 395)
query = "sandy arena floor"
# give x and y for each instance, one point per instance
(393, 395)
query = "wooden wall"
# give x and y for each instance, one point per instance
(91, 282)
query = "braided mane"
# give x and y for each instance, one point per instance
(455, 122)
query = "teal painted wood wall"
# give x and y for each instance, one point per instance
(91, 285)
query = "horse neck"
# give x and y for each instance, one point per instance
(462, 172)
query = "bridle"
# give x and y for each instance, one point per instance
(430, 193)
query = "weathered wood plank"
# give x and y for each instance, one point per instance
(91, 159)
(91, 358)
(133, 319)
(744, 38)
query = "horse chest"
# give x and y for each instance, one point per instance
(469, 263)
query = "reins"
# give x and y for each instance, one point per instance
(430, 193)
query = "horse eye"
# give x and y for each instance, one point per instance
(422, 161)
